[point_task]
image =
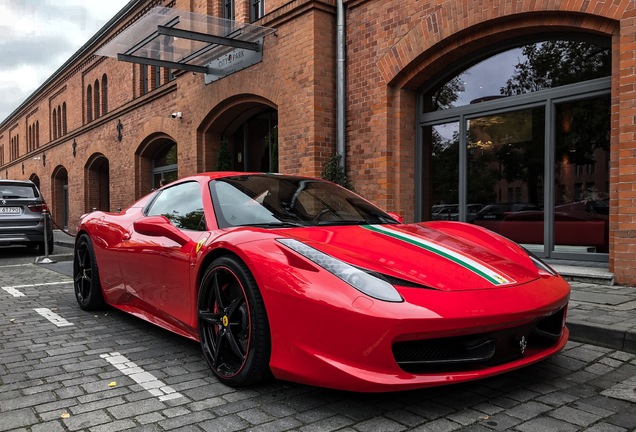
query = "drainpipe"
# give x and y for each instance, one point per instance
(340, 82)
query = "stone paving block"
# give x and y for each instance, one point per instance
(227, 423)
(405, 417)
(430, 410)
(187, 420)
(328, 424)
(575, 416)
(279, 425)
(545, 424)
(605, 427)
(255, 416)
(315, 414)
(501, 422)
(50, 426)
(439, 425)
(87, 420)
(27, 401)
(136, 408)
(625, 419)
(380, 424)
(13, 419)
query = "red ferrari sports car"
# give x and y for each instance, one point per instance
(301, 279)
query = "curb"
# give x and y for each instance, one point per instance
(603, 335)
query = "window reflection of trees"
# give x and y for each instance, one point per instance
(510, 147)
(194, 220)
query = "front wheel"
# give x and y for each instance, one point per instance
(233, 326)
(88, 291)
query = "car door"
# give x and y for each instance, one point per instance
(158, 271)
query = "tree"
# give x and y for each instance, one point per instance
(224, 158)
(334, 173)
(553, 64)
(557, 63)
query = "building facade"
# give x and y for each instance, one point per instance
(518, 116)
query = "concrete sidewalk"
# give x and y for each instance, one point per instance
(599, 312)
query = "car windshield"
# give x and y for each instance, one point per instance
(276, 200)
(17, 191)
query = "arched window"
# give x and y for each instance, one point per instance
(64, 129)
(37, 134)
(97, 100)
(59, 121)
(89, 103)
(104, 94)
(54, 123)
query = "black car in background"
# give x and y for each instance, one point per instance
(21, 218)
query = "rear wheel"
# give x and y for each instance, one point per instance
(88, 291)
(233, 325)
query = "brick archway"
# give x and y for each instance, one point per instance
(59, 187)
(97, 183)
(224, 119)
(144, 158)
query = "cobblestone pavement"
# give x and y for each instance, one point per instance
(65, 369)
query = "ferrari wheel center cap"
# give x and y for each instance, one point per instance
(225, 321)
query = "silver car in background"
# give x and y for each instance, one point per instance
(21, 217)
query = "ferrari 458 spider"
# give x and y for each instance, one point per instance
(301, 279)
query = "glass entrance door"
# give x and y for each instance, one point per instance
(581, 176)
(505, 174)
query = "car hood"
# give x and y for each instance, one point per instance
(445, 255)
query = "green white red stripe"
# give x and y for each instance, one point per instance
(479, 268)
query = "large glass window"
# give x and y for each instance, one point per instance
(519, 143)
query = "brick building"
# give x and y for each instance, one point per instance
(525, 110)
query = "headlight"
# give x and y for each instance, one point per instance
(360, 280)
(538, 262)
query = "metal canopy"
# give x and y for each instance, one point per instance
(177, 39)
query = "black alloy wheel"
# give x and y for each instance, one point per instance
(233, 326)
(88, 291)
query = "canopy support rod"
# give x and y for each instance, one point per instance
(162, 63)
(202, 37)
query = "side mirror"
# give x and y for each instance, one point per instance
(160, 226)
(396, 216)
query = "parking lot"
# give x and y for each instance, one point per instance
(62, 368)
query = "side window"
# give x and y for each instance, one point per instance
(182, 205)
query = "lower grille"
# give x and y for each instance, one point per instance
(477, 350)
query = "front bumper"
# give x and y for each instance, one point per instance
(322, 339)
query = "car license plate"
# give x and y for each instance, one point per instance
(9, 210)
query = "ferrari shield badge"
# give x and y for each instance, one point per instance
(523, 343)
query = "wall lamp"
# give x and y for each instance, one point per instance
(177, 114)
(120, 127)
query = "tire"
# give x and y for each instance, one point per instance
(88, 290)
(233, 325)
